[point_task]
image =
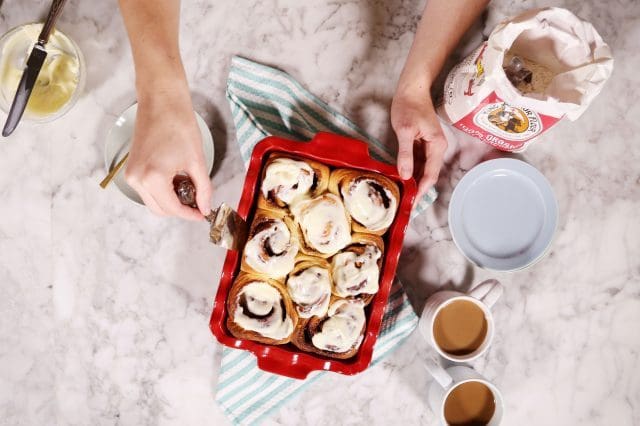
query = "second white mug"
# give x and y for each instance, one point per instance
(460, 395)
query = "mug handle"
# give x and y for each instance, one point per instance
(435, 369)
(488, 292)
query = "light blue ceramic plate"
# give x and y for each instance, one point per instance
(503, 215)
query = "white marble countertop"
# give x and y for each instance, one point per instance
(104, 308)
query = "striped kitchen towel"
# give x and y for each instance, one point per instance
(265, 101)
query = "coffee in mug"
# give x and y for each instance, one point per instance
(460, 327)
(470, 403)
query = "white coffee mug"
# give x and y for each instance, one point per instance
(446, 380)
(484, 295)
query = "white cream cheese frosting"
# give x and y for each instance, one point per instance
(355, 274)
(310, 290)
(58, 78)
(272, 251)
(260, 308)
(342, 330)
(324, 223)
(370, 203)
(288, 180)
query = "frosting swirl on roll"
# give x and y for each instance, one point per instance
(261, 309)
(370, 203)
(287, 180)
(271, 250)
(324, 223)
(354, 273)
(310, 289)
(342, 330)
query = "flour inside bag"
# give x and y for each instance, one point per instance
(534, 70)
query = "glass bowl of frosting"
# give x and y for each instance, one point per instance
(60, 81)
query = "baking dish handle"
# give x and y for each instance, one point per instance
(294, 370)
(339, 147)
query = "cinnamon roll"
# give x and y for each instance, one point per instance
(323, 225)
(356, 270)
(271, 248)
(286, 180)
(260, 310)
(338, 334)
(370, 198)
(309, 286)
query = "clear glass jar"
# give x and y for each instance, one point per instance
(15, 46)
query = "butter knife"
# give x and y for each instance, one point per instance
(31, 70)
(227, 228)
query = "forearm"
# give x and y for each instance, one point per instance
(153, 27)
(442, 26)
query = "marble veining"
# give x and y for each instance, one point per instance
(105, 307)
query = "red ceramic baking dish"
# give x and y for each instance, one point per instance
(335, 151)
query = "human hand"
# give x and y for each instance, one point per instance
(421, 143)
(166, 142)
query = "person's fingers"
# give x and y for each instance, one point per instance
(204, 188)
(133, 180)
(406, 135)
(435, 148)
(161, 189)
(150, 202)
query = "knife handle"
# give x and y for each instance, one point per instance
(185, 190)
(54, 12)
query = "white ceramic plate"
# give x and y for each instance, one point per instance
(119, 140)
(503, 215)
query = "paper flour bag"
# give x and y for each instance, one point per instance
(534, 70)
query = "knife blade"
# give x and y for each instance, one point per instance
(32, 69)
(25, 87)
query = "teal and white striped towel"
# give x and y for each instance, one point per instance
(265, 101)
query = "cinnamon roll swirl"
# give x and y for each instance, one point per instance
(338, 334)
(286, 180)
(370, 198)
(271, 248)
(356, 270)
(309, 285)
(260, 310)
(322, 224)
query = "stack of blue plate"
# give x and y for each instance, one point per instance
(503, 215)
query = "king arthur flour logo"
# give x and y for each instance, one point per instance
(508, 122)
